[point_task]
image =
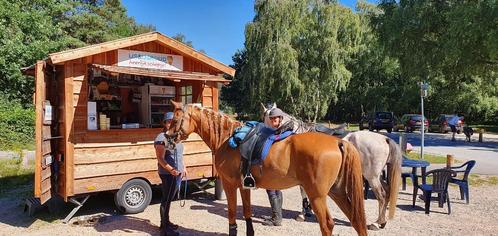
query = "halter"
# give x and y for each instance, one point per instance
(180, 127)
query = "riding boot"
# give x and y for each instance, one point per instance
(279, 208)
(276, 208)
(307, 208)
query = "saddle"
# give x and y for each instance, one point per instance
(254, 147)
(339, 131)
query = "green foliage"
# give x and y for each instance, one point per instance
(16, 125)
(376, 83)
(295, 55)
(30, 30)
(13, 175)
(453, 45)
(182, 38)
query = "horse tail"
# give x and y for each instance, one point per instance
(354, 186)
(393, 175)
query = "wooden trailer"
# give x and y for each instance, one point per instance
(99, 108)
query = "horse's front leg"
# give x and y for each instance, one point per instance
(231, 193)
(246, 204)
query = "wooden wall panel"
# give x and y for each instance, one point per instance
(121, 151)
(111, 154)
(195, 147)
(113, 168)
(199, 159)
(114, 182)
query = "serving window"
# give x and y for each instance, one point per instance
(125, 101)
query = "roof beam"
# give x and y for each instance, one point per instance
(72, 54)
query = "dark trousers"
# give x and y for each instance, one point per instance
(169, 190)
(273, 193)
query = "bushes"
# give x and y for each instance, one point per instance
(17, 125)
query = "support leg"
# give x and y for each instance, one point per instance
(78, 206)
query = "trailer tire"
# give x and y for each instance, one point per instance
(133, 197)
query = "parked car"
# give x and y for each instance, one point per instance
(411, 122)
(440, 124)
(377, 121)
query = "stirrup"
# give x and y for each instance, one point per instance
(248, 182)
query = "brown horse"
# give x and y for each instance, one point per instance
(322, 164)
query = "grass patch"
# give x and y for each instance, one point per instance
(475, 180)
(353, 127)
(431, 158)
(13, 175)
(482, 180)
(489, 128)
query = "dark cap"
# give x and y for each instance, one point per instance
(276, 112)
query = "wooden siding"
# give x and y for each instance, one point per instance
(89, 157)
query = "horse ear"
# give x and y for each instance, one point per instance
(274, 105)
(176, 105)
(263, 107)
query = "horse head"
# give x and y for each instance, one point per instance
(182, 125)
(266, 111)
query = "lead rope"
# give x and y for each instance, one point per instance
(179, 184)
(182, 201)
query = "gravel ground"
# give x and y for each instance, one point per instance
(203, 216)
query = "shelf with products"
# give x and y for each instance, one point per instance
(155, 103)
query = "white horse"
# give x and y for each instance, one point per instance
(376, 152)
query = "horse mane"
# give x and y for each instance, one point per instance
(213, 127)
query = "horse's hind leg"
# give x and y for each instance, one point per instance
(322, 214)
(381, 192)
(341, 199)
(246, 204)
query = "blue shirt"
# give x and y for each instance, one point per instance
(454, 120)
(173, 157)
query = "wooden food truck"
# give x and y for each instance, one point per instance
(99, 108)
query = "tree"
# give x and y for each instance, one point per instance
(375, 83)
(295, 55)
(30, 30)
(451, 44)
(181, 38)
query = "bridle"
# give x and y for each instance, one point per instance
(178, 122)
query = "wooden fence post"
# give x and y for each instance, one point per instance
(449, 160)
(481, 134)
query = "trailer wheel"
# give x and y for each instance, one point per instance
(133, 197)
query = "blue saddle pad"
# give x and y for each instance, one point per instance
(272, 139)
(240, 133)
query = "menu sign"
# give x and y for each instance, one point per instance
(150, 60)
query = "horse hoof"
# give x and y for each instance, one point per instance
(373, 227)
(232, 230)
(383, 225)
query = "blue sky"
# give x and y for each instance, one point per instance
(216, 26)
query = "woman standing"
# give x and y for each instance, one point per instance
(171, 169)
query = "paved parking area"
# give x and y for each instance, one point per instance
(485, 153)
